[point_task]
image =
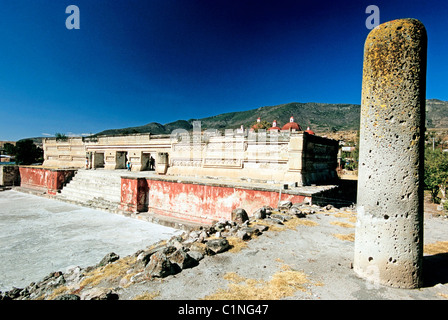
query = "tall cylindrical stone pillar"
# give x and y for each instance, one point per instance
(389, 229)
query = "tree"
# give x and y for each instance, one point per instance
(9, 149)
(27, 152)
(261, 125)
(436, 172)
(60, 136)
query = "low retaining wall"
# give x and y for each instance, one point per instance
(196, 202)
(133, 194)
(52, 180)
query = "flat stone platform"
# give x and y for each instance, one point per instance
(39, 236)
(252, 184)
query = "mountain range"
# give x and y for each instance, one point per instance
(320, 117)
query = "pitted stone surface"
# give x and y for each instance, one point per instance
(389, 232)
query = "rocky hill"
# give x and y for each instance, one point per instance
(436, 113)
(321, 117)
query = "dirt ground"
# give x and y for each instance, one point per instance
(309, 261)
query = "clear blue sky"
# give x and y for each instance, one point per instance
(137, 61)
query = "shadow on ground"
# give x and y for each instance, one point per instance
(435, 269)
(343, 196)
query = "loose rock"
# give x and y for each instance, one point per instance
(159, 266)
(260, 213)
(239, 215)
(182, 259)
(196, 255)
(284, 205)
(281, 217)
(108, 258)
(99, 294)
(68, 297)
(218, 245)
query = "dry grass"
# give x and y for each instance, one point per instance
(350, 216)
(342, 224)
(345, 237)
(56, 292)
(147, 296)
(435, 248)
(113, 271)
(294, 222)
(234, 277)
(291, 224)
(282, 284)
(272, 227)
(236, 244)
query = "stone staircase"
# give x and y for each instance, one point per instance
(99, 189)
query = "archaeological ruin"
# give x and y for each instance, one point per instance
(198, 176)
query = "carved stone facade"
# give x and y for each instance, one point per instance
(294, 157)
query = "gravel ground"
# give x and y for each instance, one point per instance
(314, 250)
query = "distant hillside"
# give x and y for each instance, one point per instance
(436, 113)
(321, 117)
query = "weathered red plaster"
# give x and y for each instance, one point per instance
(133, 194)
(195, 202)
(51, 179)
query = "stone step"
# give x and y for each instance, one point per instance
(96, 204)
(82, 197)
(94, 188)
(97, 179)
(92, 203)
(167, 221)
(86, 195)
(79, 197)
(91, 185)
(103, 173)
(103, 188)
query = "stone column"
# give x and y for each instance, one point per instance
(389, 229)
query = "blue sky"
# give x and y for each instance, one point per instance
(138, 61)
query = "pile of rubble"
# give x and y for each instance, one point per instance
(165, 257)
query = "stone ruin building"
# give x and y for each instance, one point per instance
(198, 176)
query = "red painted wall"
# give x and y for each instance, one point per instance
(133, 194)
(51, 179)
(195, 202)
